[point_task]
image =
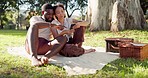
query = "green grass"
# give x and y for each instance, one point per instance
(19, 67)
(98, 38)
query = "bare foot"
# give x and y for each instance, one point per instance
(44, 60)
(35, 62)
(89, 50)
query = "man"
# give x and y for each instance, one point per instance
(38, 39)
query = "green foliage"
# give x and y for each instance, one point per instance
(6, 5)
(72, 5)
(10, 20)
(144, 5)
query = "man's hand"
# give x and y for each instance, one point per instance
(44, 60)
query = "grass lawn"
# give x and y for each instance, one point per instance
(14, 66)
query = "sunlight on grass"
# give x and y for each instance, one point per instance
(140, 71)
(19, 67)
(97, 39)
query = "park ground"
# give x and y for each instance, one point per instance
(19, 67)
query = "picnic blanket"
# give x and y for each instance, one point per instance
(86, 64)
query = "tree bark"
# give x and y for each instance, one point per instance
(115, 15)
(99, 12)
(1, 22)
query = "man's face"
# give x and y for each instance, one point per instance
(48, 15)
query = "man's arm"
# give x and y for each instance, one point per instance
(41, 24)
(53, 27)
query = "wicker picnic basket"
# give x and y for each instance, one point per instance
(134, 50)
(112, 44)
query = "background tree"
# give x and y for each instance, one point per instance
(70, 5)
(29, 15)
(144, 5)
(6, 5)
(115, 15)
(104, 13)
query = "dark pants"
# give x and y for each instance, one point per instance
(78, 36)
(43, 46)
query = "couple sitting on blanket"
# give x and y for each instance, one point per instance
(52, 23)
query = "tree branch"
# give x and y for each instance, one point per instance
(73, 11)
(66, 6)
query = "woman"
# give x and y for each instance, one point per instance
(68, 28)
(73, 29)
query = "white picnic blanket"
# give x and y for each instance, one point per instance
(85, 64)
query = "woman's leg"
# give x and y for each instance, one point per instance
(78, 37)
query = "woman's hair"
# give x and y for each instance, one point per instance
(55, 7)
(46, 6)
(58, 5)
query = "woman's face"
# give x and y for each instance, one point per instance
(59, 13)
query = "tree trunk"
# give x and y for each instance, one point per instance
(1, 22)
(99, 12)
(127, 15)
(115, 15)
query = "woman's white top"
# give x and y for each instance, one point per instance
(67, 24)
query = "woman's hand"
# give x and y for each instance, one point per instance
(80, 23)
(77, 25)
(69, 31)
(60, 27)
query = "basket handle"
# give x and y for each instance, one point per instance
(117, 48)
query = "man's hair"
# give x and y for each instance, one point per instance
(46, 6)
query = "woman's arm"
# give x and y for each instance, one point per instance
(65, 32)
(82, 23)
(79, 23)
